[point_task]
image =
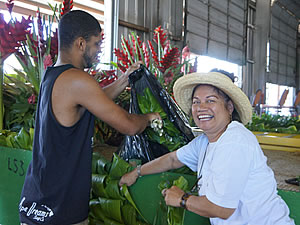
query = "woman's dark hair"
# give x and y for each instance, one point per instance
(230, 75)
(74, 24)
(235, 115)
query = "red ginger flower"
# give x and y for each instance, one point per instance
(146, 53)
(68, 5)
(169, 59)
(108, 77)
(122, 68)
(153, 53)
(123, 58)
(54, 45)
(127, 48)
(167, 47)
(12, 35)
(162, 36)
(9, 5)
(47, 61)
(104, 78)
(137, 45)
(40, 25)
(42, 44)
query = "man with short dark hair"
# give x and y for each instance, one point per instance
(58, 181)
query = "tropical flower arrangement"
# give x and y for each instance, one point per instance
(167, 63)
(34, 43)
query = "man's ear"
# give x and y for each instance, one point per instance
(80, 43)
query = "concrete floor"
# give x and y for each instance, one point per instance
(285, 165)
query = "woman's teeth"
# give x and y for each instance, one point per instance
(205, 117)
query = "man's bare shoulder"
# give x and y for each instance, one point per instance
(75, 74)
(76, 78)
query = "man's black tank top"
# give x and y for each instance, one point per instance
(58, 181)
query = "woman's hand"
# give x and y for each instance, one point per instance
(129, 178)
(173, 196)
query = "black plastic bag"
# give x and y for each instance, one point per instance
(140, 147)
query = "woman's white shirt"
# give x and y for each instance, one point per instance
(235, 175)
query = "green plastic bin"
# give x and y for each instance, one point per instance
(13, 168)
(292, 199)
(148, 198)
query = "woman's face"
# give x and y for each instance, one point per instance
(210, 112)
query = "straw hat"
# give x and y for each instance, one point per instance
(184, 86)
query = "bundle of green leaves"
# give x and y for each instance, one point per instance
(175, 215)
(109, 203)
(169, 136)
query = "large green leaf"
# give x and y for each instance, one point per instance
(22, 139)
(100, 165)
(95, 210)
(93, 221)
(129, 214)
(113, 190)
(175, 215)
(111, 222)
(127, 195)
(118, 168)
(111, 208)
(98, 185)
(182, 183)
(20, 108)
(103, 165)
(3, 141)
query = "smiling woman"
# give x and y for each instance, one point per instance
(211, 111)
(235, 185)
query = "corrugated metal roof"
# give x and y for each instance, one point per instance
(291, 5)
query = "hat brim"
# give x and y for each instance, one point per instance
(183, 88)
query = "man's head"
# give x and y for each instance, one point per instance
(76, 24)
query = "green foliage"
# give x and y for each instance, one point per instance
(171, 136)
(274, 123)
(34, 53)
(174, 214)
(19, 110)
(109, 203)
(20, 140)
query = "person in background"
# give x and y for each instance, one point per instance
(58, 181)
(235, 186)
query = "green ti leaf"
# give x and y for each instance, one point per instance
(118, 168)
(129, 214)
(95, 210)
(111, 208)
(113, 190)
(127, 195)
(98, 185)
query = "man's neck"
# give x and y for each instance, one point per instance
(66, 58)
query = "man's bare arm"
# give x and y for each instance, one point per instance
(87, 93)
